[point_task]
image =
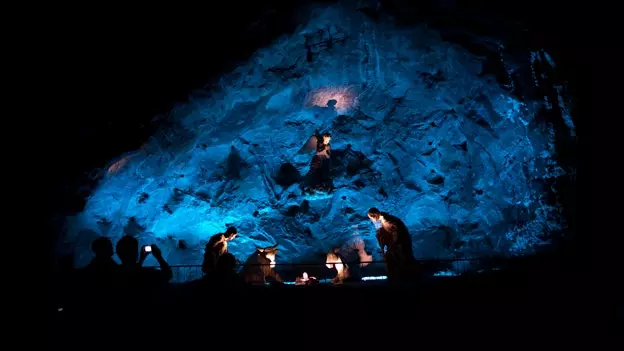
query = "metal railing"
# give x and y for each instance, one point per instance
(289, 271)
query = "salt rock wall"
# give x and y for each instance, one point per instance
(417, 131)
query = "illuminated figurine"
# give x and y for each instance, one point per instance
(318, 177)
(260, 266)
(395, 243)
(335, 260)
(305, 280)
(217, 246)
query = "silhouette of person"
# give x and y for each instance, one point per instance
(102, 269)
(395, 243)
(217, 246)
(225, 274)
(103, 261)
(132, 270)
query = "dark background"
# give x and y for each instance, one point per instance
(119, 68)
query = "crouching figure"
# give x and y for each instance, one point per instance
(395, 243)
(217, 246)
(260, 267)
(334, 260)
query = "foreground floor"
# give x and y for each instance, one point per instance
(198, 314)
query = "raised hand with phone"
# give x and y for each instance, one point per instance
(128, 251)
(152, 249)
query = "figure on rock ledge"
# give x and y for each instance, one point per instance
(260, 267)
(318, 178)
(217, 246)
(305, 279)
(336, 260)
(395, 243)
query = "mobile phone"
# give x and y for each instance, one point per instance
(148, 248)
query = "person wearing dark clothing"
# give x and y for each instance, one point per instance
(318, 176)
(395, 243)
(102, 271)
(132, 271)
(321, 163)
(217, 246)
(225, 274)
(103, 262)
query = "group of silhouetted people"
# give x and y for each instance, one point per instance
(105, 287)
(103, 271)
(219, 266)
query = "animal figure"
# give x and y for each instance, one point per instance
(334, 260)
(260, 266)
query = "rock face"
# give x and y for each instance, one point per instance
(418, 130)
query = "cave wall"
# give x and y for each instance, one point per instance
(421, 128)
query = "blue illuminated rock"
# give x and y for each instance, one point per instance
(417, 131)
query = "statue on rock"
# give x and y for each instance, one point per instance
(260, 267)
(335, 260)
(395, 243)
(305, 279)
(318, 178)
(217, 246)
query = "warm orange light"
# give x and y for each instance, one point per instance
(117, 165)
(346, 97)
(342, 270)
(365, 258)
(271, 257)
(333, 261)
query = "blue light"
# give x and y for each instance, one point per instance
(445, 274)
(380, 277)
(329, 280)
(416, 132)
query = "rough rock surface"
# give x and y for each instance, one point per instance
(417, 131)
